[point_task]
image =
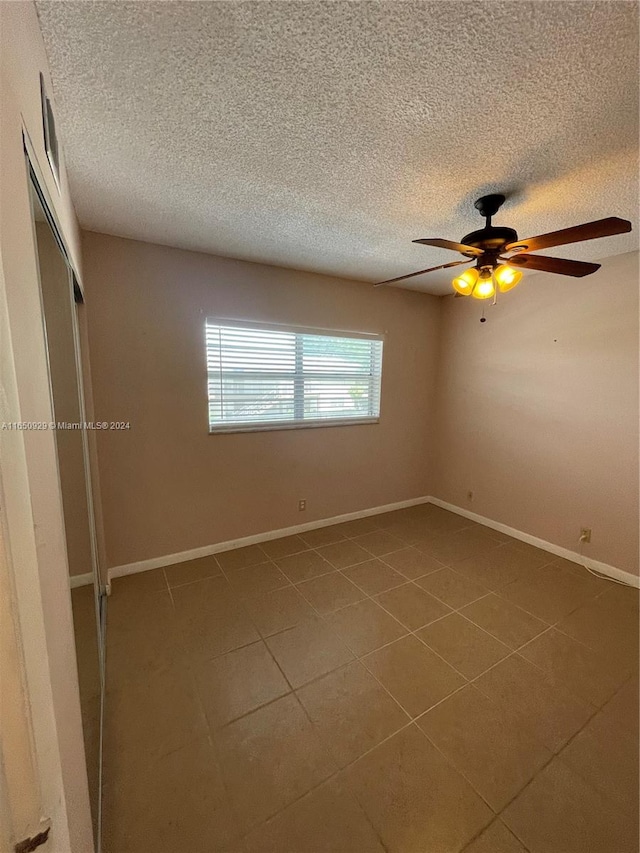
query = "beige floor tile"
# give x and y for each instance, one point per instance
(238, 682)
(304, 566)
(537, 556)
(495, 839)
(499, 566)
(469, 728)
(278, 610)
(379, 542)
(412, 606)
(151, 718)
(457, 545)
(211, 619)
(175, 803)
(466, 647)
(571, 565)
(622, 711)
(365, 626)
(257, 580)
(606, 756)
(509, 623)
(551, 592)
(559, 813)
(322, 536)
(330, 592)
(412, 563)
(604, 624)
(358, 526)
(270, 758)
(138, 584)
(411, 531)
(530, 699)
(442, 520)
(502, 537)
(592, 675)
(451, 587)
(240, 558)
(327, 820)
(192, 570)
(307, 651)
(351, 711)
(414, 798)
(143, 637)
(374, 576)
(278, 548)
(408, 513)
(619, 595)
(167, 790)
(341, 555)
(414, 675)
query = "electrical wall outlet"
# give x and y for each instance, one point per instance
(585, 534)
(302, 505)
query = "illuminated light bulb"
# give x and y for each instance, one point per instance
(465, 283)
(507, 277)
(484, 288)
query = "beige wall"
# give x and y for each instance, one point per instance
(538, 409)
(167, 485)
(36, 546)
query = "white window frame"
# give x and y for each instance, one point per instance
(265, 426)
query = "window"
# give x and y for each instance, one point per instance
(269, 377)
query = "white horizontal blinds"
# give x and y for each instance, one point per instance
(338, 375)
(263, 376)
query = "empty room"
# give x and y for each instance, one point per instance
(319, 345)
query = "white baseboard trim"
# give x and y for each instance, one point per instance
(207, 550)
(256, 539)
(80, 580)
(573, 556)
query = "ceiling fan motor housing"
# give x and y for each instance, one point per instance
(490, 239)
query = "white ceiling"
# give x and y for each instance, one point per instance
(327, 135)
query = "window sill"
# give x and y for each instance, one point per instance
(270, 427)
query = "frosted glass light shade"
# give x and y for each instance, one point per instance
(465, 283)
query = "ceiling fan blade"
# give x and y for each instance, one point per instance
(576, 234)
(562, 266)
(422, 272)
(449, 244)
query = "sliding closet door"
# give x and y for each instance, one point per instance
(62, 340)
(59, 308)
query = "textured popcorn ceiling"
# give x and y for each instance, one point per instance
(326, 136)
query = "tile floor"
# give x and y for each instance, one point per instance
(412, 682)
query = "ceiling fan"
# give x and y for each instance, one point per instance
(487, 247)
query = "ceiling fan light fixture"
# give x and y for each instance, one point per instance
(490, 243)
(485, 287)
(506, 277)
(465, 282)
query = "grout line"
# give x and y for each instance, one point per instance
(371, 598)
(360, 658)
(320, 739)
